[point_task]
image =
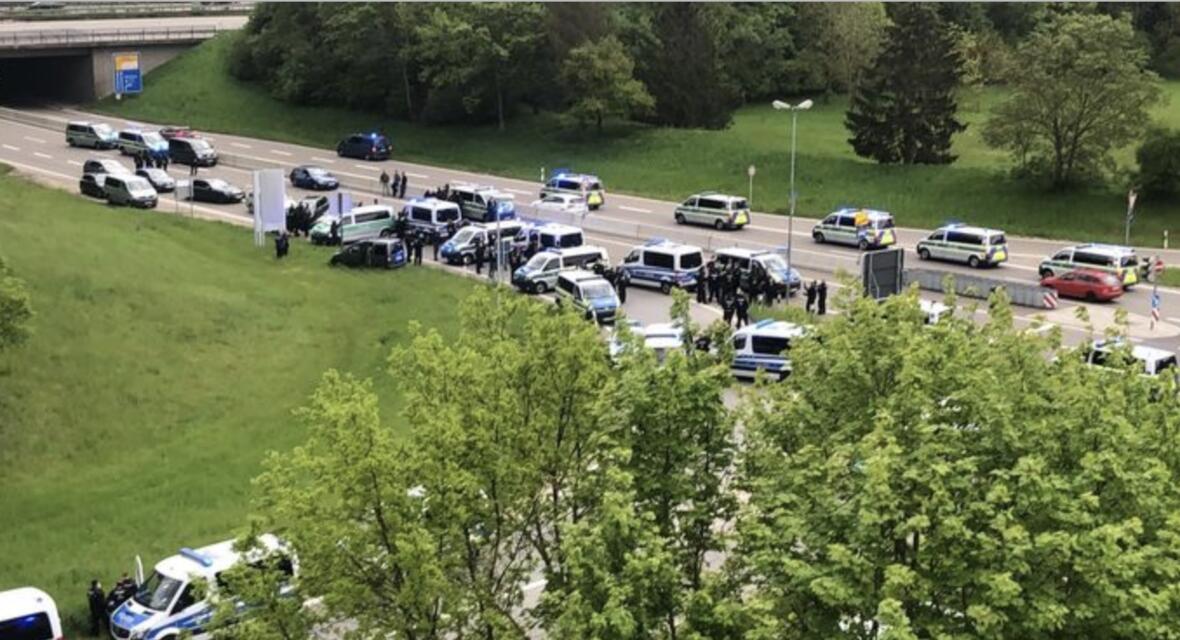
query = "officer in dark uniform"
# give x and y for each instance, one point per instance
(702, 288)
(727, 308)
(741, 307)
(622, 278)
(97, 602)
(435, 242)
(480, 256)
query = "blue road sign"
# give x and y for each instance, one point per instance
(128, 78)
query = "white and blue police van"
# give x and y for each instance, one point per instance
(585, 186)
(749, 262)
(28, 613)
(552, 235)
(764, 346)
(431, 214)
(483, 203)
(460, 248)
(178, 598)
(664, 264)
(661, 338)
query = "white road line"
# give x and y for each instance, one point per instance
(417, 175)
(280, 153)
(240, 145)
(520, 191)
(1173, 320)
(74, 162)
(10, 147)
(537, 584)
(635, 209)
(365, 167)
(32, 139)
(323, 160)
(42, 155)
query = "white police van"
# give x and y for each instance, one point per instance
(861, 228)
(590, 293)
(539, 274)
(95, 135)
(431, 214)
(661, 338)
(460, 248)
(750, 261)
(664, 264)
(1151, 361)
(482, 203)
(576, 184)
(558, 236)
(167, 605)
(975, 246)
(715, 210)
(28, 613)
(1119, 261)
(764, 346)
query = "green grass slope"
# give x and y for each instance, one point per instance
(195, 89)
(167, 357)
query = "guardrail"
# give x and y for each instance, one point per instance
(46, 38)
(972, 286)
(75, 10)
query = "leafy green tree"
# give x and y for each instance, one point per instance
(260, 599)
(16, 308)
(757, 47)
(913, 481)
(839, 41)
(903, 109)
(1083, 90)
(599, 77)
(1159, 162)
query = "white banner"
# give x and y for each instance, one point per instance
(270, 207)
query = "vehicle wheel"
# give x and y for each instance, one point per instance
(540, 288)
(718, 225)
(818, 236)
(340, 152)
(70, 143)
(973, 262)
(863, 245)
(1046, 273)
(665, 287)
(385, 233)
(1090, 297)
(923, 254)
(679, 218)
(468, 258)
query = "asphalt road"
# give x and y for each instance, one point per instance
(622, 223)
(126, 24)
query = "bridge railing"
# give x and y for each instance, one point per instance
(75, 10)
(43, 38)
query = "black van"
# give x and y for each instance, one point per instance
(192, 151)
(372, 146)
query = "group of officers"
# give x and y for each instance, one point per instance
(145, 160)
(102, 605)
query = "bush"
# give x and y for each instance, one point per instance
(1159, 162)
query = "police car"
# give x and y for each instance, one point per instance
(1150, 361)
(558, 236)
(714, 210)
(474, 201)
(431, 214)
(750, 261)
(590, 293)
(576, 184)
(975, 246)
(664, 264)
(1113, 259)
(561, 203)
(861, 228)
(662, 338)
(763, 346)
(539, 274)
(166, 606)
(460, 248)
(372, 146)
(28, 613)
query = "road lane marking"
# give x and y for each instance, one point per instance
(74, 162)
(280, 153)
(10, 147)
(1173, 320)
(365, 167)
(323, 160)
(240, 145)
(416, 175)
(32, 139)
(42, 155)
(520, 191)
(635, 209)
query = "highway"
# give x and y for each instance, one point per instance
(220, 22)
(36, 145)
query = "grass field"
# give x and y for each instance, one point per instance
(167, 357)
(1170, 277)
(195, 89)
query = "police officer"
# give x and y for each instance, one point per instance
(702, 288)
(418, 242)
(97, 602)
(480, 256)
(727, 308)
(435, 242)
(400, 226)
(622, 278)
(405, 183)
(741, 306)
(822, 293)
(810, 290)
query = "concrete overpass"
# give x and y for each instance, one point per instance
(73, 60)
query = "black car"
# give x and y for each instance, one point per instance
(216, 191)
(94, 185)
(159, 179)
(196, 152)
(316, 178)
(371, 146)
(104, 165)
(382, 253)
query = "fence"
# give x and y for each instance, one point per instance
(972, 286)
(45, 38)
(82, 10)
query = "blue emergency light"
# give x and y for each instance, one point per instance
(651, 242)
(197, 557)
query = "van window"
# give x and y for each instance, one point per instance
(420, 214)
(997, 239)
(551, 265)
(831, 220)
(632, 257)
(739, 343)
(885, 223)
(709, 203)
(660, 260)
(847, 221)
(569, 184)
(1081, 257)
(691, 260)
(76, 128)
(447, 214)
(114, 181)
(1129, 261)
(596, 186)
(691, 202)
(185, 600)
(31, 627)
(770, 345)
(1063, 255)
(738, 205)
(937, 236)
(371, 216)
(963, 238)
(565, 285)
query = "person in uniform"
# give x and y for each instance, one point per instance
(822, 294)
(741, 307)
(97, 601)
(622, 279)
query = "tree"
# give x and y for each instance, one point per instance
(903, 109)
(1082, 91)
(757, 47)
(842, 39)
(1159, 162)
(913, 481)
(16, 309)
(600, 78)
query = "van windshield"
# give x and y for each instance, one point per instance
(153, 139)
(538, 261)
(774, 263)
(464, 236)
(739, 205)
(449, 214)
(690, 261)
(157, 591)
(883, 223)
(139, 187)
(597, 291)
(104, 130)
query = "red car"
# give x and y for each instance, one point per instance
(169, 133)
(1087, 284)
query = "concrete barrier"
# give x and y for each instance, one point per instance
(1022, 293)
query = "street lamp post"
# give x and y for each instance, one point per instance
(794, 109)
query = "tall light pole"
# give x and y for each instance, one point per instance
(794, 109)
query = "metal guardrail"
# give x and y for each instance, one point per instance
(75, 10)
(47, 38)
(1020, 292)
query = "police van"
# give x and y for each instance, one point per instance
(1120, 261)
(751, 262)
(177, 600)
(714, 210)
(474, 201)
(28, 613)
(862, 228)
(361, 223)
(134, 191)
(431, 214)
(764, 346)
(558, 236)
(1150, 361)
(576, 184)
(590, 293)
(664, 264)
(95, 135)
(661, 338)
(539, 274)
(136, 141)
(460, 248)
(975, 246)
